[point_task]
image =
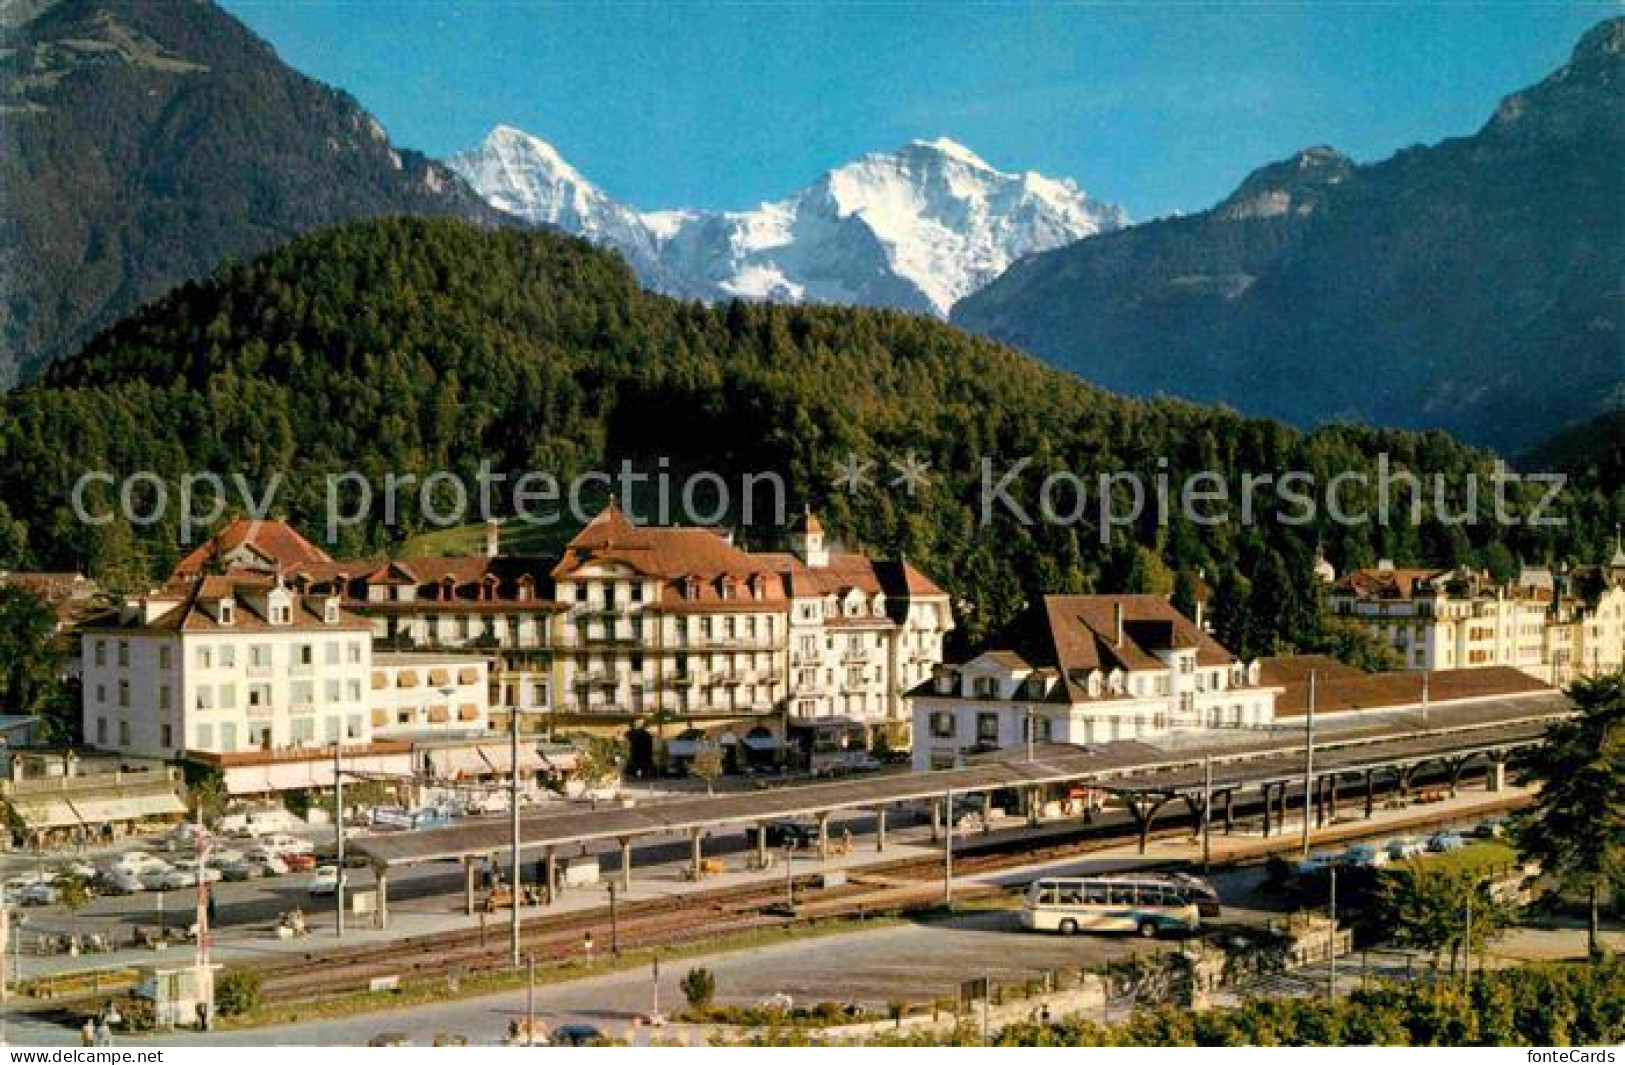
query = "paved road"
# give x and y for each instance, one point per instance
(910, 962)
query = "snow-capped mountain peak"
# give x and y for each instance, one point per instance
(524, 175)
(949, 148)
(917, 228)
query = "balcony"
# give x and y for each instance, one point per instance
(724, 643)
(599, 613)
(855, 655)
(604, 641)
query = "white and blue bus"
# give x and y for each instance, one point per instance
(1148, 906)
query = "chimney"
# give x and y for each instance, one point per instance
(493, 538)
(1117, 623)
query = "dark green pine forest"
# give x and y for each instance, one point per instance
(417, 345)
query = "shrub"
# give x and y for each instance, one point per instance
(699, 988)
(137, 1015)
(237, 993)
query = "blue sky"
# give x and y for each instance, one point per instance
(1158, 107)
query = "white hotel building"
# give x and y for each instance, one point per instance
(226, 664)
(1121, 667)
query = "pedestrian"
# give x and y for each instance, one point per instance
(87, 1034)
(104, 1033)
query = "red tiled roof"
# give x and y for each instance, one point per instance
(276, 542)
(1285, 670)
(1387, 583)
(188, 614)
(1380, 691)
(696, 563)
(1083, 633)
(51, 587)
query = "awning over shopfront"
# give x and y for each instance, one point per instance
(468, 761)
(685, 744)
(128, 807)
(759, 739)
(42, 812)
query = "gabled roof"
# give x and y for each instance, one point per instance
(1383, 583)
(700, 569)
(276, 543)
(1003, 659)
(893, 578)
(1083, 634)
(196, 605)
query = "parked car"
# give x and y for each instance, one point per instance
(119, 881)
(1317, 862)
(241, 870)
(39, 893)
(138, 862)
(299, 863)
(1405, 847)
(225, 856)
(325, 882)
(156, 877)
(577, 1035)
(1491, 828)
(270, 863)
(189, 867)
(803, 834)
(1199, 891)
(284, 844)
(1441, 842)
(1364, 856)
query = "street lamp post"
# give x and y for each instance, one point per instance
(1308, 764)
(1331, 946)
(790, 874)
(513, 815)
(1207, 811)
(614, 924)
(530, 1001)
(338, 830)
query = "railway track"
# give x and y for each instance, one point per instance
(683, 919)
(664, 922)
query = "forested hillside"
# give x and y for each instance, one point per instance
(142, 142)
(414, 345)
(1472, 285)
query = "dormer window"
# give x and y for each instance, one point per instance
(330, 612)
(281, 614)
(228, 612)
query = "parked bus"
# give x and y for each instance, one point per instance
(1148, 906)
